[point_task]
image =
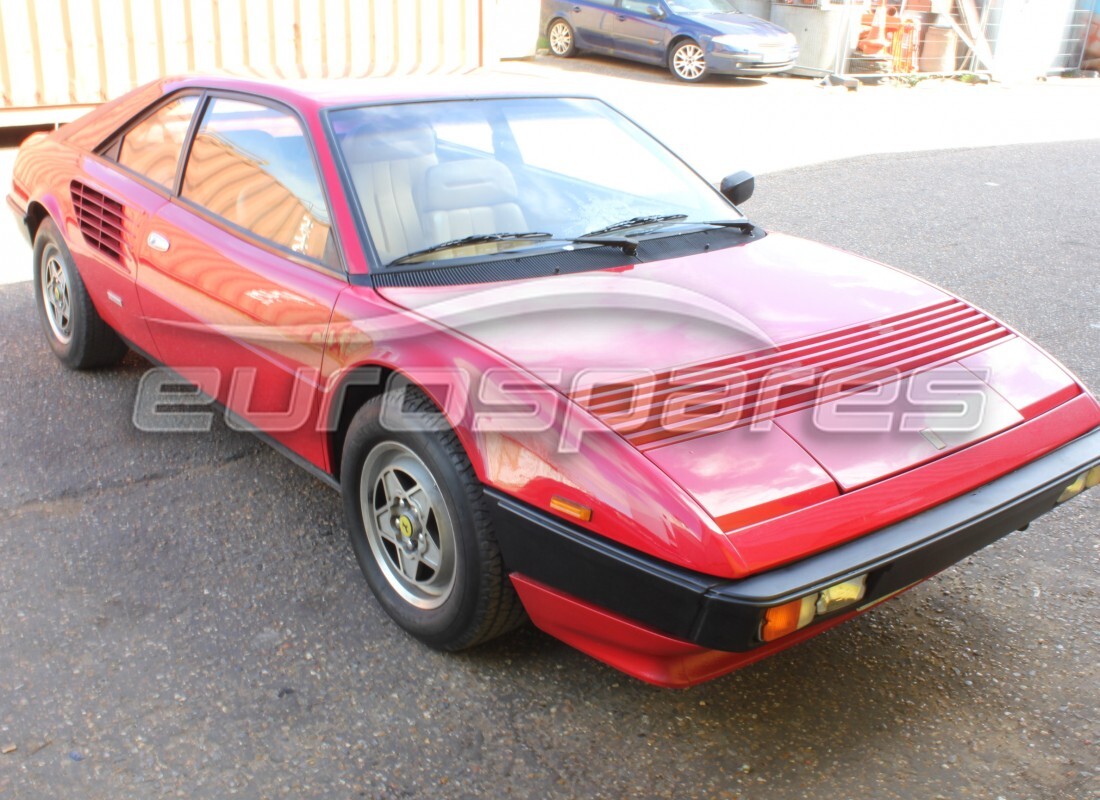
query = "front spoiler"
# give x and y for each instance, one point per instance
(724, 615)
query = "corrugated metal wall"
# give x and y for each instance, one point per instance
(76, 52)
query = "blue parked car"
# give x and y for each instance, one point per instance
(693, 38)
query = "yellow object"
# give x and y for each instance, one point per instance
(842, 594)
(780, 621)
(1073, 489)
(576, 510)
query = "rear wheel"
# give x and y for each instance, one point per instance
(563, 42)
(687, 61)
(76, 333)
(419, 525)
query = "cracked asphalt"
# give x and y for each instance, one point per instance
(181, 615)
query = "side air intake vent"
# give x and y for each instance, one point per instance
(99, 218)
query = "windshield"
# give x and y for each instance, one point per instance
(723, 6)
(475, 173)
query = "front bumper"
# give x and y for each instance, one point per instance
(724, 615)
(725, 63)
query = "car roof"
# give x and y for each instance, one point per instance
(308, 96)
(336, 92)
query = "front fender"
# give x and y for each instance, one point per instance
(523, 436)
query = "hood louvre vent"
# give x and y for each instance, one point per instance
(100, 219)
(700, 399)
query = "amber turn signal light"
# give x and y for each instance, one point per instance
(568, 507)
(788, 618)
(780, 621)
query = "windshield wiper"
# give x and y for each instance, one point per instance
(744, 225)
(625, 243)
(633, 222)
(600, 236)
(477, 238)
(630, 244)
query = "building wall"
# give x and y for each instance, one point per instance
(57, 53)
(512, 28)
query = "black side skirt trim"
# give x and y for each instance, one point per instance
(239, 423)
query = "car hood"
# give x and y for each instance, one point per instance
(720, 366)
(723, 23)
(660, 315)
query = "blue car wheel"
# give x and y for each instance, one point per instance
(562, 41)
(687, 61)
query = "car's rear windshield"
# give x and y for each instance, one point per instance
(428, 173)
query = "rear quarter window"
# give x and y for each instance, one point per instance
(152, 147)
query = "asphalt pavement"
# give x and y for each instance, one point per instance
(181, 615)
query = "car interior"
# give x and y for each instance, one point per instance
(412, 200)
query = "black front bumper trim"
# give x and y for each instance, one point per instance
(723, 614)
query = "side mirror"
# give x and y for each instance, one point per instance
(655, 12)
(738, 187)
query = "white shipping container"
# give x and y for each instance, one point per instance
(60, 53)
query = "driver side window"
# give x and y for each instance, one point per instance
(250, 164)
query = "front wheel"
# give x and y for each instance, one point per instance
(419, 525)
(563, 42)
(688, 62)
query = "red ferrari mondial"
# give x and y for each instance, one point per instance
(551, 370)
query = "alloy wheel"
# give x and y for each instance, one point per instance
(561, 38)
(689, 62)
(55, 297)
(409, 526)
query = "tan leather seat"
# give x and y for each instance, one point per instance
(387, 168)
(468, 197)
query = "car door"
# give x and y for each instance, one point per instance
(638, 35)
(121, 186)
(592, 22)
(238, 273)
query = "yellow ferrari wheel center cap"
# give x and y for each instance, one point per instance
(404, 524)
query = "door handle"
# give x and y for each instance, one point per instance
(158, 242)
(576, 9)
(622, 17)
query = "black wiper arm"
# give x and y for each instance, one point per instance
(628, 245)
(477, 238)
(743, 224)
(634, 222)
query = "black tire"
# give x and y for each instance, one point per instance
(563, 41)
(686, 61)
(76, 333)
(420, 528)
